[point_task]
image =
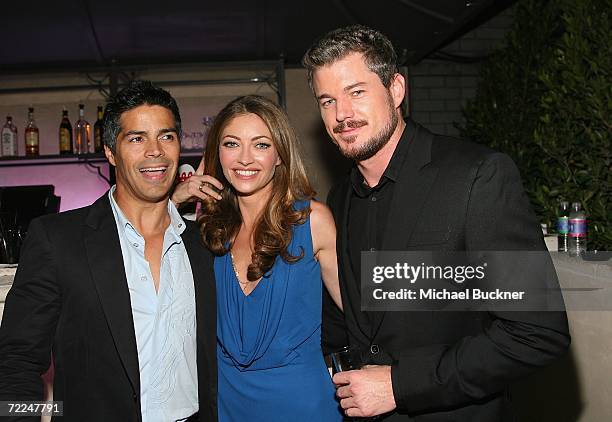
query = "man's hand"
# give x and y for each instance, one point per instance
(365, 392)
(198, 186)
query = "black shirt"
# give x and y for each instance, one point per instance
(369, 207)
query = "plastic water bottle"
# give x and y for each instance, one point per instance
(563, 226)
(577, 241)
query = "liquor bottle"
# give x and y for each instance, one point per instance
(563, 226)
(98, 131)
(9, 138)
(82, 132)
(31, 134)
(65, 134)
(576, 244)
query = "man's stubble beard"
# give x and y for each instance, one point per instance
(376, 142)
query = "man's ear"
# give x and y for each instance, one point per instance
(398, 89)
(110, 156)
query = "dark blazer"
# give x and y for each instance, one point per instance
(70, 297)
(451, 366)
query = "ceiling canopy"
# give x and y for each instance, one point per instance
(51, 35)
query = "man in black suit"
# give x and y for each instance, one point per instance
(121, 293)
(413, 190)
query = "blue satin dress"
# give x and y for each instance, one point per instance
(270, 362)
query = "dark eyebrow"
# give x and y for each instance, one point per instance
(355, 85)
(232, 136)
(144, 132)
(255, 138)
(134, 132)
(167, 130)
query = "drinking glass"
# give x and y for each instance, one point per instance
(13, 238)
(346, 359)
(3, 247)
(10, 239)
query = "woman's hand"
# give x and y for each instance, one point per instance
(198, 186)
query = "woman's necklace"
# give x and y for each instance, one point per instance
(242, 283)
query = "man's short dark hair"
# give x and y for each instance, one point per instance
(376, 48)
(137, 93)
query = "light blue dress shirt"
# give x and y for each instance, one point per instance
(164, 321)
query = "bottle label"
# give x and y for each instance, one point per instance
(97, 139)
(64, 140)
(563, 225)
(9, 143)
(577, 227)
(31, 138)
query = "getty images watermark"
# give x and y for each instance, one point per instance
(457, 274)
(466, 281)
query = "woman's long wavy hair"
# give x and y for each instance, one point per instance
(221, 220)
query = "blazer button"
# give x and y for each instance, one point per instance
(374, 349)
(135, 397)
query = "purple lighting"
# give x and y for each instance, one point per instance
(77, 184)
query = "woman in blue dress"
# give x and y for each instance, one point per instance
(274, 245)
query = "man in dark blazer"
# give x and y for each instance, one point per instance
(413, 190)
(76, 297)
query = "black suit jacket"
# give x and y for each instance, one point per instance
(451, 366)
(70, 297)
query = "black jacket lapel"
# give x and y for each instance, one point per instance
(411, 190)
(108, 272)
(409, 195)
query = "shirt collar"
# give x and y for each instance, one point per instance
(392, 171)
(394, 167)
(176, 221)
